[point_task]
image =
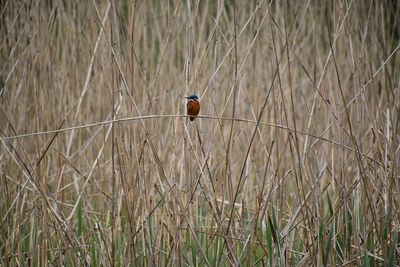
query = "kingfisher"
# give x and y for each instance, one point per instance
(193, 106)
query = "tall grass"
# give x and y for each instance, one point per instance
(294, 159)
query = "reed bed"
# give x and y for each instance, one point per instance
(293, 161)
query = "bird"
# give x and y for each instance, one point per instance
(193, 106)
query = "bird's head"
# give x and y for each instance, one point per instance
(192, 98)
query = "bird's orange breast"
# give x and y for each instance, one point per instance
(193, 108)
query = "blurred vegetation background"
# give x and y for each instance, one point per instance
(294, 159)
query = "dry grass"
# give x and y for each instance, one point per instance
(295, 159)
